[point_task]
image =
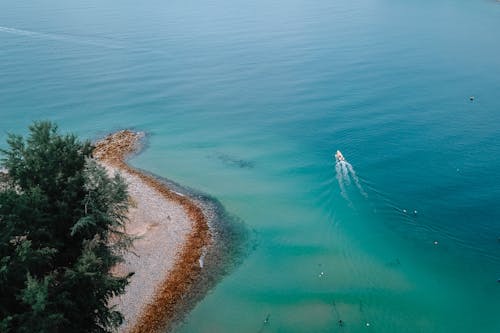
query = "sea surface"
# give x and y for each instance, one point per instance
(248, 101)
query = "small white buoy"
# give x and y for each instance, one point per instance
(367, 324)
(415, 212)
(404, 210)
(436, 242)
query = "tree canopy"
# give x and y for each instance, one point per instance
(61, 232)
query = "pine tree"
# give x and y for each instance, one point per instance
(61, 231)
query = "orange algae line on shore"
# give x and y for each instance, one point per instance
(159, 313)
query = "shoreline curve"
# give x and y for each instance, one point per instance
(181, 286)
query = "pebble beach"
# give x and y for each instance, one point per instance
(171, 238)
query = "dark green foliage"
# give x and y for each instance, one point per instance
(61, 221)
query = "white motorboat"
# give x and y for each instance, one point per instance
(339, 157)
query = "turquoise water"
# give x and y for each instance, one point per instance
(248, 101)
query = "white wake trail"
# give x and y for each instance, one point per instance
(345, 172)
(63, 38)
(340, 179)
(356, 180)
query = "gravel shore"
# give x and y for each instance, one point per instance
(162, 228)
(173, 239)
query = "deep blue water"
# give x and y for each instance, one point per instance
(248, 101)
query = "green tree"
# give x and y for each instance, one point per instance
(61, 231)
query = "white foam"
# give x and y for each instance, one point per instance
(345, 172)
(340, 179)
(356, 179)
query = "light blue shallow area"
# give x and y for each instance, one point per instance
(249, 100)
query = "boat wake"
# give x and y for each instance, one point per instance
(101, 42)
(345, 175)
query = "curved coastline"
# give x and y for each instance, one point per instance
(205, 250)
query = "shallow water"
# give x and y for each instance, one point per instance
(248, 101)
